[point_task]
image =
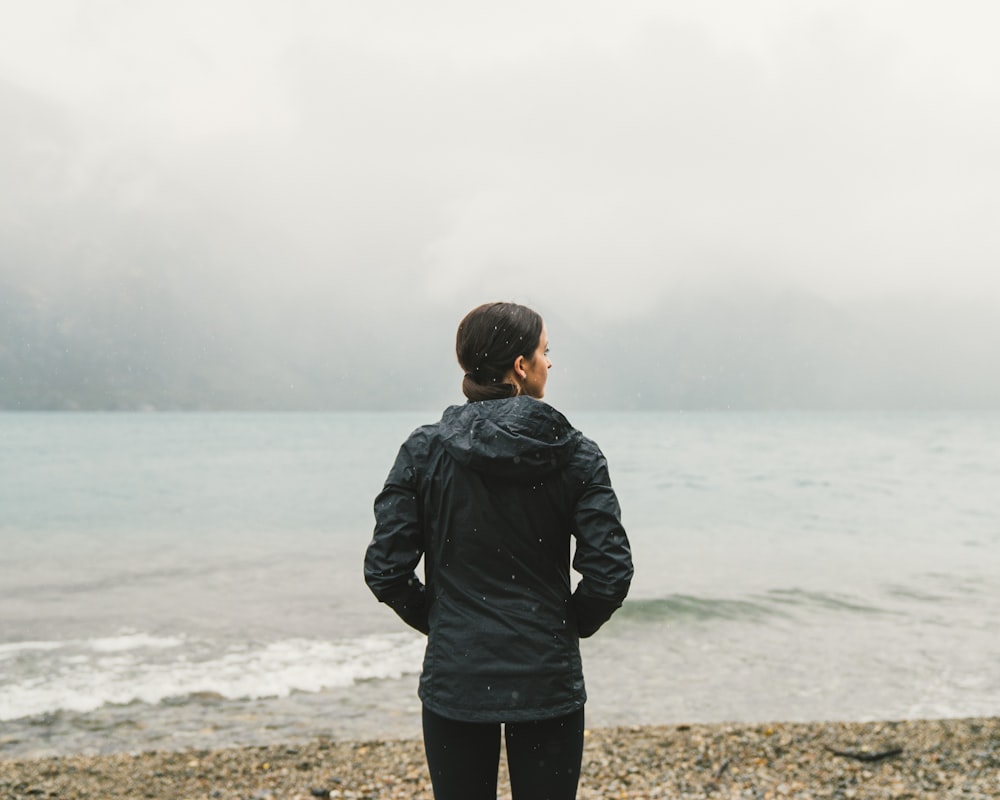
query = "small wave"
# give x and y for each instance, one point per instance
(136, 667)
(124, 641)
(911, 593)
(776, 603)
(116, 579)
(824, 600)
(13, 648)
(133, 641)
(687, 607)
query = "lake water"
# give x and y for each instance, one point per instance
(194, 580)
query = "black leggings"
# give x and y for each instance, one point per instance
(543, 757)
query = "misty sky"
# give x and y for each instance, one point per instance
(331, 166)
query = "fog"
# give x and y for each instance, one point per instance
(715, 205)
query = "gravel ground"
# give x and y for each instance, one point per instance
(900, 760)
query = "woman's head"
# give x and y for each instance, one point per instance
(502, 348)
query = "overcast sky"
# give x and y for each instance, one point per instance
(590, 158)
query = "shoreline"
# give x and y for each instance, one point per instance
(914, 759)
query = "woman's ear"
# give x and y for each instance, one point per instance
(520, 370)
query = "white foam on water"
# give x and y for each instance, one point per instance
(133, 641)
(136, 667)
(126, 640)
(11, 649)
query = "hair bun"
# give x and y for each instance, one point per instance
(489, 340)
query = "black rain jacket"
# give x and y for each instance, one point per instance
(489, 498)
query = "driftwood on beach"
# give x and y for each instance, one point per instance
(867, 755)
(915, 760)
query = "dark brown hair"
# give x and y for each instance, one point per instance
(488, 341)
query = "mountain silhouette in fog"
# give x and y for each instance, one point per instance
(139, 346)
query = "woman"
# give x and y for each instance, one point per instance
(489, 498)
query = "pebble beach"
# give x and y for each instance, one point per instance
(917, 759)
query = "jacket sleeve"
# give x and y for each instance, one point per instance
(603, 555)
(397, 544)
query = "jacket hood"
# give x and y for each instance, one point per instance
(516, 437)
